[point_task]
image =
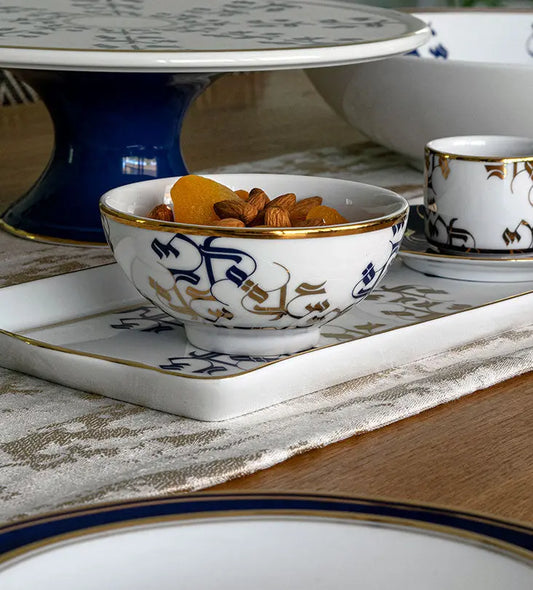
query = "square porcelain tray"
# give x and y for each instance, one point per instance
(92, 331)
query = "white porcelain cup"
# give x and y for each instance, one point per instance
(478, 194)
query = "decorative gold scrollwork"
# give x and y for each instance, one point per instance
(497, 170)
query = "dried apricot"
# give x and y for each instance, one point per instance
(193, 198)
(299, 211)
(328, 214)
(314, 222)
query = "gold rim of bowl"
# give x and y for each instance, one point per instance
(263, 233)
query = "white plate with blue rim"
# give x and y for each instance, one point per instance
(417, 253)
(265, 541)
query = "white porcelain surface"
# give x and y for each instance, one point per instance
(417, 253)
(199, 35)
(474, 76)
(248, 291)
(478, 194)
(92, 331)
(268, 541)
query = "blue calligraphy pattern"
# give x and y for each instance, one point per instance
(371, 275)
(201, 362)
(220, 284)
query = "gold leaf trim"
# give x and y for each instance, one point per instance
(449, 156)
(20, 233)
(260, 233)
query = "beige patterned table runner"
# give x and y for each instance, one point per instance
(60, 447)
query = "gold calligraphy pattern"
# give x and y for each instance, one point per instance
(305, 301)
(500, 171)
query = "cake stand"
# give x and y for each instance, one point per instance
(117, 77)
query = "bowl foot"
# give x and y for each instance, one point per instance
(252, 342)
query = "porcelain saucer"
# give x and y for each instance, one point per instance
(417, 253)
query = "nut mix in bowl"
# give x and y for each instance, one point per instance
(254, 289)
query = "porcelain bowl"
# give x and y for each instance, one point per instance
(474, 77)
(256, 291)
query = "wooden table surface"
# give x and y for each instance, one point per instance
(473, 454)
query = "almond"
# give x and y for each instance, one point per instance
(229, 222)
(258, 220)
(229, 208)
(235, 210)
(242, 194)
(301, 208)
(161, 213)
(286, 201)
(249, 213)
(277, 217)
(258, 198)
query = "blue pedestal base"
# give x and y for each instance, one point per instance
(110, 129)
